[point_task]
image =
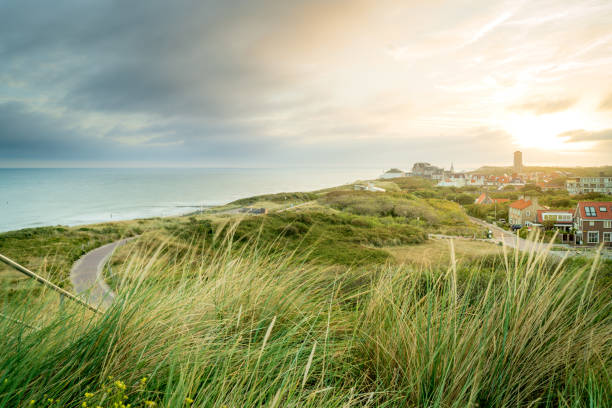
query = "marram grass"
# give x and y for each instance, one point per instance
(220, 328)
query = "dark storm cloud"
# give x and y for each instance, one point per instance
(544, 106)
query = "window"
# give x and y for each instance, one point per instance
(590, 211)
(528, 213)
(603, 209)
(591, 223)
(607, 236)
(593, 237)
(607, 224)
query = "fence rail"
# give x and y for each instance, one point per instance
(47, 283)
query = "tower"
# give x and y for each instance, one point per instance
(452, 169)
(518, 162)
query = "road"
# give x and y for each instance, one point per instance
(86, 275)
(513, 241)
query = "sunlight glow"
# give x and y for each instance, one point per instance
(533, 131)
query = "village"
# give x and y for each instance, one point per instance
(577, 211)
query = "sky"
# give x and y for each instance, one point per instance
(334, 83)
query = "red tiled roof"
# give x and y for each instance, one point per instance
(541, 212)
(481, 198)
(521, 204)
(599, 215)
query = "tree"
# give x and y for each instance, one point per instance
(465, 199)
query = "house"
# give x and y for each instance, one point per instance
(548, 186)
(581, 185)
(428, 171)
(393, 173)
(524, 211)
(485, 199)
(561, 220)
(477, 180)
(593, 223)
(452, 182)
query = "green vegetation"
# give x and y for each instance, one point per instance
(275, 198)
(431, 214)
(340, 302)
(53, 250)
(220, 327)
(342, 227)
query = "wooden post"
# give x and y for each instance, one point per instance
(45, 282)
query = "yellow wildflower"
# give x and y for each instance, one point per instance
(150, 403)
(143, 380)
(32, 402)
(88, 395)
(189, 401)
(84, 404)
(120, 385)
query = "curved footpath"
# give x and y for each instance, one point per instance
(86, 275)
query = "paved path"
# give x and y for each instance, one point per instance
(511, 240)
(86, 275)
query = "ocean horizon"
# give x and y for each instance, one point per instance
(36, 197)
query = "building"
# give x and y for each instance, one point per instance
(581, 185)
(593, 223)
(452, 182)
(428, 171)
(518, 162)
(369, 187)
(548, 186)
(524, 211)
(485, 199)
(393, 173)
(477, 180)
(561, 220)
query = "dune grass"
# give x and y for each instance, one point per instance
(221, 326)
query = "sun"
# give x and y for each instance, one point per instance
(541, 131)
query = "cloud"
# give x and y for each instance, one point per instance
(279, 82)
(581, 135)
(606, 104)
(30, 134)
(544, 106)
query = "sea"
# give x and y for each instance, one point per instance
(70, 196)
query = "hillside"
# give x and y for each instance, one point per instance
(335, 298)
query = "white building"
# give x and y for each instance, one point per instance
(452, 182)
(581, 185)
(393, 173)
(369, 187)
